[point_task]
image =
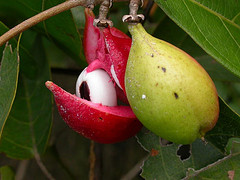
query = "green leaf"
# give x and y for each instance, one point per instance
(28, 127)
(4, 29)
(9, 68)
(226, 168)
(214, 26)
(228, 126)
(60, 29)
(7, 173)
(170, 32)
(164, 163)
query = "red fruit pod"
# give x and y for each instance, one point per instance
(90, 37)
(103, 124)
(107, 49)
(118, 49)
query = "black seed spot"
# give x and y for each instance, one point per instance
(164, 69)
(84, 91)
(152, 55)
(184, 152)
(100, 118)
(176, 95)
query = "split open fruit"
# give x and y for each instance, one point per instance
(93, 111)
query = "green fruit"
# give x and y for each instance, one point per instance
(169, 92)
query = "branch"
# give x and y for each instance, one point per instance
(38, 18)
(95, 172)
(47, 14)
(21, 169)
(42, 166)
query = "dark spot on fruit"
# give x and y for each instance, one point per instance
(156, 84)
(154, 152)
(84, 91)
(100, 118)
(152, 55)
(158, 67)
(164, 69)
(184, 151)
(176, 95)
(164, 142)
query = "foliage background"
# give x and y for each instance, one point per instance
(208, 30)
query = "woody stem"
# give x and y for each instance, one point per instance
(47, 14)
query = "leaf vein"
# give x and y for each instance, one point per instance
(16, 144)
(199, 29)
(215, 13)
(235, 17)
(229, 32)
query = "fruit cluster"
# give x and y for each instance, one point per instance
(93, 111)
(164, 88)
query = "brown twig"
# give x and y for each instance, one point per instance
(92, 161)
(95, 161)
(21, 169)
(42, 166)
(39, 18)
(47, 14)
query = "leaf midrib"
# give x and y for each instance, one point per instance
(215, 13)
(30, 115)
(199, 29)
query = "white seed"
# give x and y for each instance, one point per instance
(101, 87)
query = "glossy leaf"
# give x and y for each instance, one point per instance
(3, 29)
(170, 32)
(61, 28)
(226, 168)
(214, 26)
(165, 163)
(27, 129)
(9, 68)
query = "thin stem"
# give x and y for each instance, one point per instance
(42, 166)
(21, 170)
(92, 161)
(95, 172)
(45, 15)
(39, 18)
(57, 156)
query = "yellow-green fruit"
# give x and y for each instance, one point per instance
(169, 92)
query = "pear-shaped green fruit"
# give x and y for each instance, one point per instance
(169, 92)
